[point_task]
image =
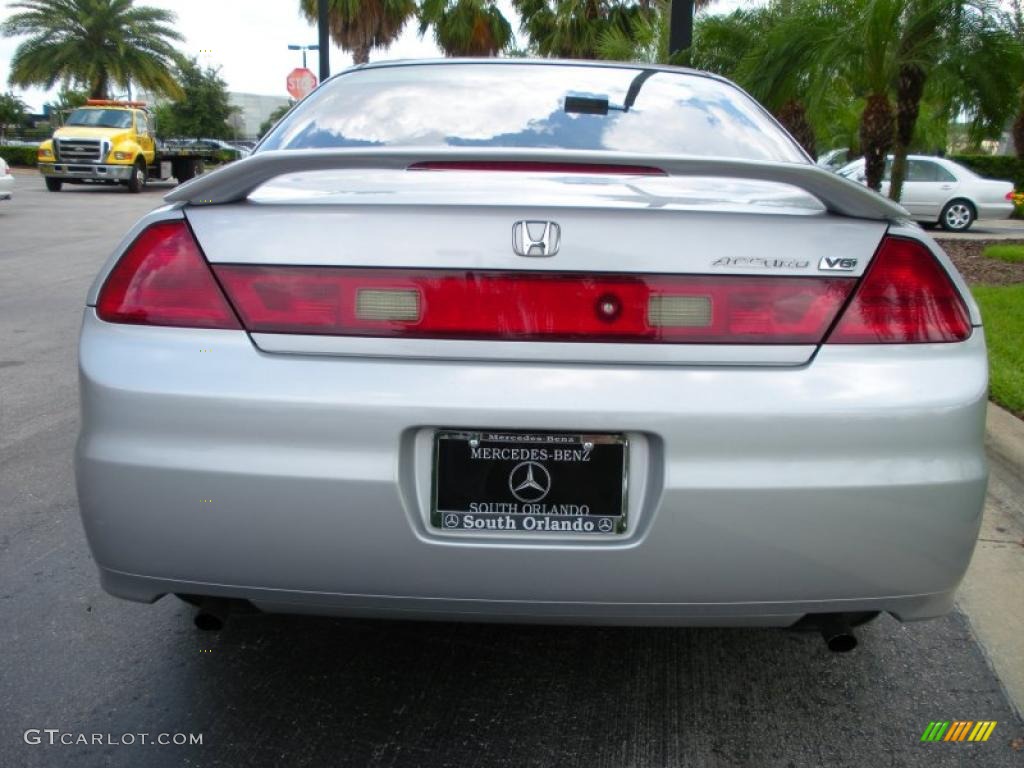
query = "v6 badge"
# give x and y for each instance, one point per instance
(837, 264)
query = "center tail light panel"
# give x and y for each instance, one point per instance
(534, 306)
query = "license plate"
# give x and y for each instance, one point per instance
(544, 483)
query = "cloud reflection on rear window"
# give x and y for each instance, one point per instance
(522, 105)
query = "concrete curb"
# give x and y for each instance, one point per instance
(1005, 436)
(1004, 442)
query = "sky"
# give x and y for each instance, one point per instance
(249, 42)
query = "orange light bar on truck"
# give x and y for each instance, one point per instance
(114, 103)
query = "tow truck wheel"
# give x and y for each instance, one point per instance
(184, 170)
(138, 178)
(53, 184)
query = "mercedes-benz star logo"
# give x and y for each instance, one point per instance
(604, 525)
(529, 481)
(451, 521)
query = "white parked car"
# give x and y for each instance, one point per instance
(6, 181)
(939, 191)
(834, 159)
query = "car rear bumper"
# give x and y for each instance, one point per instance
(6, 186)
(86, 171)
(756, 494)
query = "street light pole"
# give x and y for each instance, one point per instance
(325, 50)
(303, 48)
(680, 26)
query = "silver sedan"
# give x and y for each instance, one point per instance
(939, 191)
(533, 341)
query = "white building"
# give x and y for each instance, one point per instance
(253, 110)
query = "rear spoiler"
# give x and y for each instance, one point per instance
(236, 181)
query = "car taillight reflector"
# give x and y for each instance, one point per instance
(536, 167)
(906, 297)
(451, 304)
(679, 311)
(163, 279)
(387, 305)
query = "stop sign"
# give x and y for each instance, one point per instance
(300, 82)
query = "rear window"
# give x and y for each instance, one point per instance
(525, 105)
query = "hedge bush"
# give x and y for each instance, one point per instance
(18, 155)
(1007, 167)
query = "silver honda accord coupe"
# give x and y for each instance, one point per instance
(533, 341)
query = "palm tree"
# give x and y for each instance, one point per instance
(1018, 133)
(719, 41)
(644, 39)
(572, 29)
(980, 72)
(893, 56)
(361, 25)
(861, 50)
(95, 44)
(961, 53)
(466, 27)
(772, 62)
(738, 46)
(722, 42)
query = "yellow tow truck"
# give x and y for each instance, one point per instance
(114, 142)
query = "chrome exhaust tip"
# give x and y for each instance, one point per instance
(212, 614)
(837, 634)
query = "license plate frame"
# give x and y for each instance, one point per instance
(513, 481)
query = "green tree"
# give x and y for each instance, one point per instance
(574, 29)
(644, 38)
(1018, 131)
(734, 45)
(960, 53)
(94, 44)
(892, 56)
(754, 48)
(67, 98)
(466, 27)
(12, 112)
(359, 26)
(980, 75)
(722, 42)
(203, 110)
(1015, 23)
(276, 115)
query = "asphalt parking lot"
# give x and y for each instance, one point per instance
(302, 691)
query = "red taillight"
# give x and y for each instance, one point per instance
(535, 167)
(534, 305)
(163, 279)
(906, 297)
(1009, 195)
